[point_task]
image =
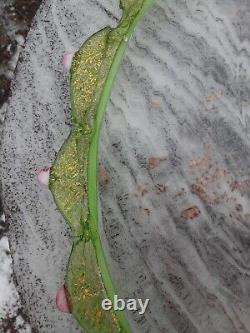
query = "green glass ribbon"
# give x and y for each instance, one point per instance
(73, 177)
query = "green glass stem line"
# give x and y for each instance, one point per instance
(92, 167)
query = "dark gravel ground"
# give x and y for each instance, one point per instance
(16, 17)
(15, 20)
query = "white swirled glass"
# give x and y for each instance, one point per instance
(174, 160)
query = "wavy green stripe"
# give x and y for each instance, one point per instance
(73, 179)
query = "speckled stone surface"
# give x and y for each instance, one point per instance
(174, 164)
